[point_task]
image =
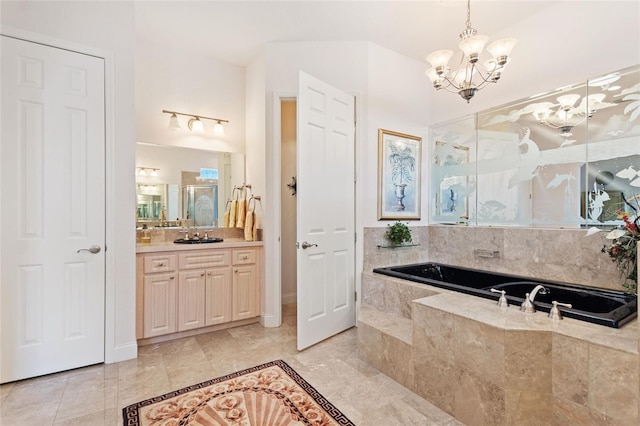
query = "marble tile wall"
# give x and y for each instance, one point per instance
(501, 368)
(555, 254)
(376, 257)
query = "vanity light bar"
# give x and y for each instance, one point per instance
(142, 171)
(194, 123)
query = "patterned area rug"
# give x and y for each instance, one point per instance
(271, 394)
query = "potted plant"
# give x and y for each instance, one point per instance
(398, 233)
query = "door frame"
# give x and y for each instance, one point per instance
(110, 354)
(273, 281)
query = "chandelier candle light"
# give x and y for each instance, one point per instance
(470, 76)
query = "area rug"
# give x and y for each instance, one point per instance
(271, 394)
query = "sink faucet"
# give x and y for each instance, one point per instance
(527, 306)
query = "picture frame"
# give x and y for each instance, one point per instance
(452, 200)
(399, 166)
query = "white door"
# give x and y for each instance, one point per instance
(325, 211)
(52, 223)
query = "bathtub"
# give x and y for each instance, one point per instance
(605, 307)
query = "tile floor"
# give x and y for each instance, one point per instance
(96, 395)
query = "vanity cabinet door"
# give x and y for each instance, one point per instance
(218, 296)
(159, 304)
(245, 292)
(191, 291)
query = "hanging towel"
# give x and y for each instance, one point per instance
(232, 213)
(255, 227)
(242, 210)
(225, 218)
(248, 226)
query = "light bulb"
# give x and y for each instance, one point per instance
(174, 124)
(195, 125)
(218, 129)
(472, 46)
(439, 59)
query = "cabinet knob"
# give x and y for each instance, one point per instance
(160, 263)
(202, 274)
(235, 270)
(171, 276)
(245, 257)
(209, 273)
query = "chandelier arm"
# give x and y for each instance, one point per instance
(485, 80)
(450, 85)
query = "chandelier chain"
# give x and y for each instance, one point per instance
(468, 23)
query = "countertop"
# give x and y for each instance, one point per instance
(161, 246)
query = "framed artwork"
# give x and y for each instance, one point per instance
(452, 197)
(399, 167)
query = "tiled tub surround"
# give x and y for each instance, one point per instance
(488, 366)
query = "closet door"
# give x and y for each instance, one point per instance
(52, 224)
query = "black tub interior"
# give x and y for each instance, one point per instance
(599, 306)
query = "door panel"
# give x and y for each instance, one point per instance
(325, 211)
(218, 295)
(245, 292)
(53, 197)
(191, 291)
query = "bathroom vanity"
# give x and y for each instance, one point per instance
(183, 290)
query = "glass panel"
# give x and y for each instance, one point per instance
(566, 158)
(453, 171)
(533, 149)
(613, 171)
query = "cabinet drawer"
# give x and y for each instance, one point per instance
(159, 263)
(244, 256)
(205, 259)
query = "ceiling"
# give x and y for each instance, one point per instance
(234, 31)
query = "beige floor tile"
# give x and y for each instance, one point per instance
(95, 395)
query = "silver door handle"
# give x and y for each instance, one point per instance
(306, 245)
(93, 249)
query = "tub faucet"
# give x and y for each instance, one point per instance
(527, 306)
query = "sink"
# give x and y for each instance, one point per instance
(198, 241)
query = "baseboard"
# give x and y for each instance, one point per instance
(270, 321)
(289, 298)
(123, 353)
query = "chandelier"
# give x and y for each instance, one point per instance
(567, 115)
(470, 75)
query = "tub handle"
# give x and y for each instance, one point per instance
(555, 313)
(502, 301)
(486, 253)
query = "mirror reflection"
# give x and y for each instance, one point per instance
(184, 187)
(570, 157)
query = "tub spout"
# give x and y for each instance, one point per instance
(527, 306)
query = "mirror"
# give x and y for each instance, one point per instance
(178, 186)
(569, 157)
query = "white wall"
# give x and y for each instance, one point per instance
(109, 27)
(288, 205)
(172, 79)
(387, 87)
(564, 44)
(256, 174)
(396, 100)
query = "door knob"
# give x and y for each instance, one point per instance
(306, 245)
(93, 249)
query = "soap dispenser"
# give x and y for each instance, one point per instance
(146, 235)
